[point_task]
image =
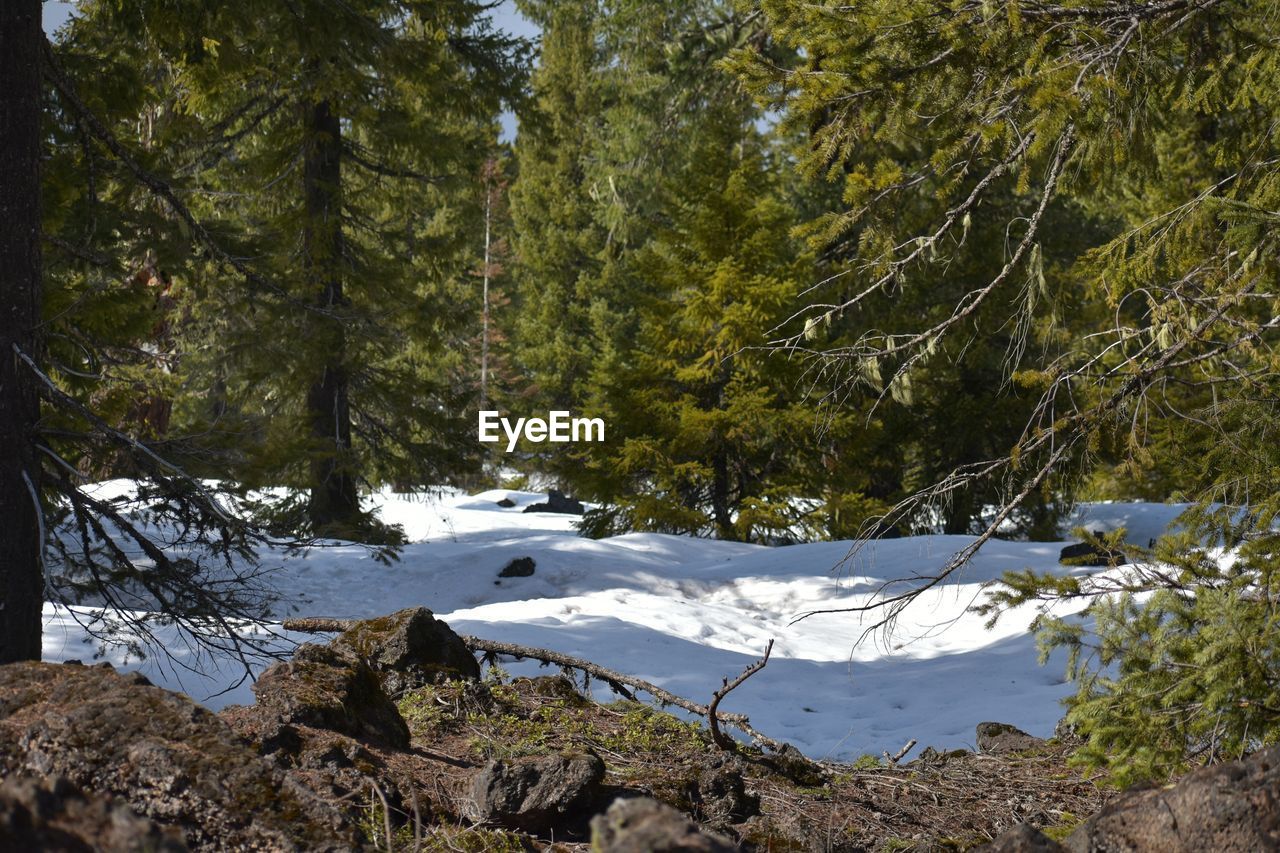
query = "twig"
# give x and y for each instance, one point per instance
(900, 754)
(723, 742)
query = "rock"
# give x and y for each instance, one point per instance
(173, 762)
(1023, 838)
(1066, 732)
(338, 768)
(557, 502)
(721, 794)
(932, 755)
(521, 567)
(53, 814)
(1002, 738)
(555, 687)
(506, 503)
(409, 649)
(1089, 554)
(1227, 808)
(324, 688)
(796, 766)
(643, 825)
(539, 793)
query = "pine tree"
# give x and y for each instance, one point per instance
(709, 431)
(1145, 127)
(619, 95)
(557, 241)
(341, 160)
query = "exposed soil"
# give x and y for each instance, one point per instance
(951, 801)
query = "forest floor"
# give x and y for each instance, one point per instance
(945, 801)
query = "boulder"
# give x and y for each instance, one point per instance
(557, 502)
(520, 567)
(1002, 738)
(324, 688)
(1228, 808)
(173, 762)
(557, 687)
(1023, 838)
(506, 503)
(643, 825)
(796, 766)
(409, 649)
(1066, 732)
(537, 793)
(53, 814)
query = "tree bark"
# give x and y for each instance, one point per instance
(21, 570)
(334, 500)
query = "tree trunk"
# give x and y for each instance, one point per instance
(21, 572)
(959, 514)
(720, 510)
(333, 488)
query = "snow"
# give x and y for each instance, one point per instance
(684, 613)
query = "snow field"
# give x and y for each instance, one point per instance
(683, 613)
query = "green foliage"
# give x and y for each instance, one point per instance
(1179, 665)
(337, 364)
(1054, 225)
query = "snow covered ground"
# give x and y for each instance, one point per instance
(683, 613)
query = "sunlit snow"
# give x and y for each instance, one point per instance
(683, 613)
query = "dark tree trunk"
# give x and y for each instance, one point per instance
(959, 515)
(333, 488)
(720, 509)
(21, 578)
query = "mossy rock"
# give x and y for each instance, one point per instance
(409, 649)
(555, 687)
(173, 762)
(327, 689)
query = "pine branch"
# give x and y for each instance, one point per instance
(162, 190)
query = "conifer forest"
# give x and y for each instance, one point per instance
(627, 425)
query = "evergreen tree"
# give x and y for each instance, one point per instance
(1149, 123)
(68, 541)
(619, 97)
(342, 157)
(712, 434)
(557, 241)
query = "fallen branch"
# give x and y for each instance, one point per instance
(898, 756)
(318, 625)
(616, 680)
(721, 740)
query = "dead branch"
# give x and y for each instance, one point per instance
(898, 756)
(318, 625)
(716, 735)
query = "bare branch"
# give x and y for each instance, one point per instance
(723, 742)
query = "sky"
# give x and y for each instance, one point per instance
(506, 17)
